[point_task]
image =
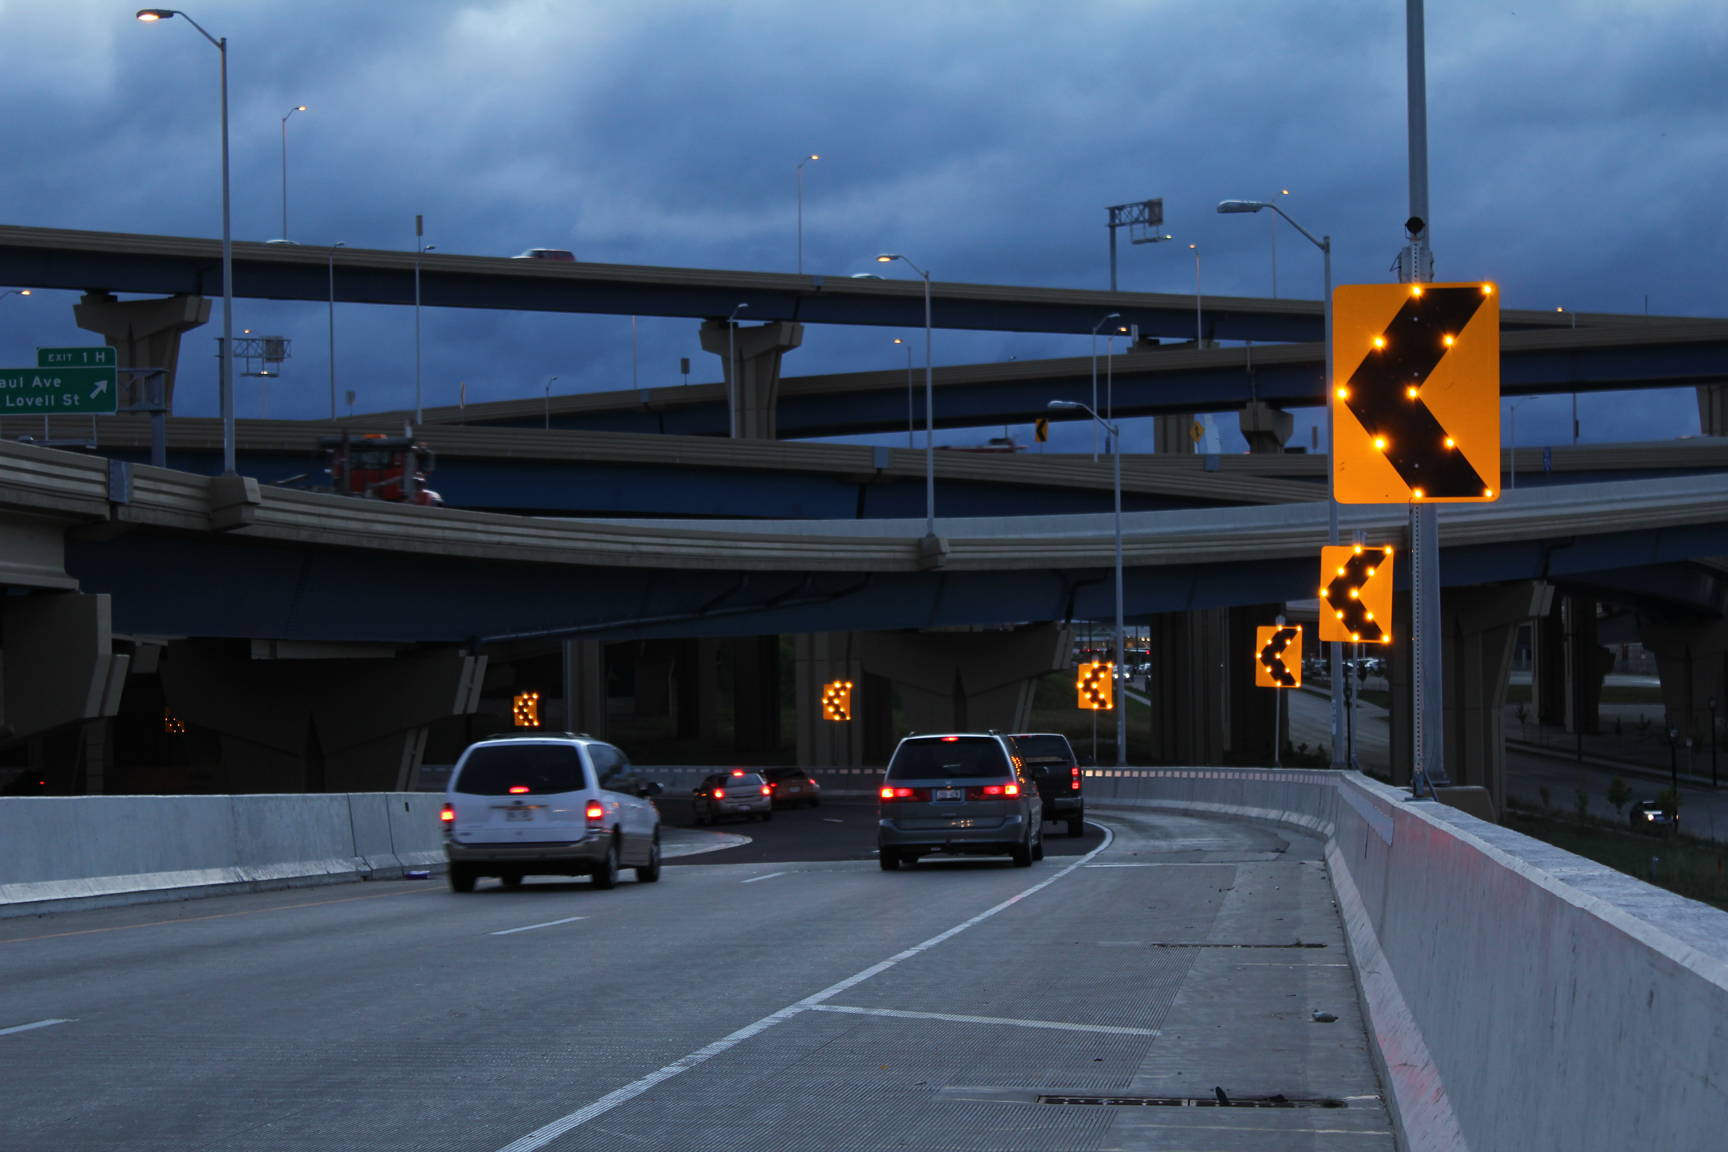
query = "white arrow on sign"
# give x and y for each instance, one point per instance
(101, 387)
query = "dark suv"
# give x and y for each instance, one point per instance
(1051, 760)
(965, 793)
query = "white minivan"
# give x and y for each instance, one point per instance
(560, 804)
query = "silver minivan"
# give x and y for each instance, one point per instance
(561, 804)
(962, 793)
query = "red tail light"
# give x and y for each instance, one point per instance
(737, 771)
(719, 793)
(518, 788)
(447, 813)
(811, 782)
(766, 791)
(992, 790)
(595, 810)
(1074, 777)
(890, 793)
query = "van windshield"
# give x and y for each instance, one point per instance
(494, 769)
(948, 758)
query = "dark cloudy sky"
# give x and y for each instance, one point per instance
(1578, 156)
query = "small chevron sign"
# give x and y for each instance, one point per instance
(1278, 656)
(1415, 393)
(1356, 593)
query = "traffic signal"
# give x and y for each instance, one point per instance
(525, 709)
(1356, 593)
(1278, 656)
(1096, 685)
(837, 701)
(1415, 393)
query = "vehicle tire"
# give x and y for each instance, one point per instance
(1022, 853)
(649, 873)
(1076, 826)
(605, 875)
(510, 879)
(889, 858)
(461, 878)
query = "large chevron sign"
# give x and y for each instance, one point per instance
(1415, 393)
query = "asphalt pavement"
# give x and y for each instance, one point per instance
(795, 999)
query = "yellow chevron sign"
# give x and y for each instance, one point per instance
(1356, 593)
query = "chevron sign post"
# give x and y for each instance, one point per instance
(1416, 393)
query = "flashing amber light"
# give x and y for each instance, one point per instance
(1448, 340)
(1379, 341)
(1415, 289)
(1487, 289)
(1343, 393)
(1380, 443)
(1451, 443)
(1411, 391)
(1416, 493)
(1488, 492)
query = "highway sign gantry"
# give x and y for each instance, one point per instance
(1415, 393)
(1278, 656)
(1356, 593)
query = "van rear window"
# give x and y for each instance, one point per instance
(494, 769)
(965, 756)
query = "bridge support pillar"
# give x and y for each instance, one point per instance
(1266, 428)
(143, 333)
(1548, 664)
(1173, 435)
(583, 667)
(1587, 664)
(284, 719)
(751, 360)
(966, 681)
(1692, 661)
(755, 695)
(1713, 409)
(1187, 686)
(819, 658)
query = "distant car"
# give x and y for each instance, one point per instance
(736, 793)
(1051, 761)
(559, 254)
(791, 787)
(549, 804)
(966, 793)
(1653, 816)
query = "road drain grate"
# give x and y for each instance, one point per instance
(1296, 944)
(1275, 1101)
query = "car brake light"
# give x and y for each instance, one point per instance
(889, 793)
(447, 813)
(737, 771)
(1000, 790)
(949, 739)
(811, 782)
(1074, 777)
(766, 790)
(518, 788)
(595, 810)
(719, 793)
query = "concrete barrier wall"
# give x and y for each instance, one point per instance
(1521, 997)
(57, 850)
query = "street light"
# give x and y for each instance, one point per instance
(799, 172)
(929, 401)
(1118, 697)
(420, 249)
(332, 274)
(1324, 243)
(1195, 248)
(14, 292)
(226, 365)
(732, 390)
(909, 443)
(291, 111)
(1102, 320)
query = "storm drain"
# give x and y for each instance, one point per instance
(1294, 944)
(1219, 1101)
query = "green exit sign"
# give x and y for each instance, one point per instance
(98, 357)
(57, 391)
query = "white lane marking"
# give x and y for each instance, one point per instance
(1113, 1029)
(769, 876)
(1172, 864)
(28, 1027)
(544, 1135)
(831, 820)
(531, 927)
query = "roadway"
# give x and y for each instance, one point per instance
(783, 1002)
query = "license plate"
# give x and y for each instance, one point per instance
(522, 814)
(949, 794)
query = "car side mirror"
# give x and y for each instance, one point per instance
(651, 788)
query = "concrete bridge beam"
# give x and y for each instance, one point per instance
(752, 355)
(143, 333)
(1266, 428)
(1692, 661)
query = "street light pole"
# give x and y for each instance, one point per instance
(1335, 651)
(929, 402)
(332, 274)
(1195, 248)
(225, 369)
(909, 417)
(548, 408)
(799, 171)
(1102, 320)
(420, 249)
(732, 389)
(1118, 695)
(291, 111)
